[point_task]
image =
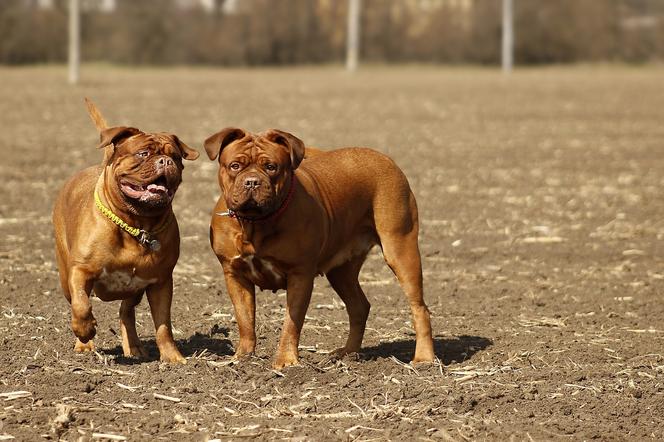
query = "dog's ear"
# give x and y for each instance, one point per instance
(293, 144)
(187, 152)
(216, 143)
(113, 135)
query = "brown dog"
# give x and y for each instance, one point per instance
(116, 235)
(277, 226)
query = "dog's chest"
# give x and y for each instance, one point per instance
(121, 281)
(264, 273)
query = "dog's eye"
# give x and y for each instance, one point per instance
(143, 154)
(271, 167)
(235, 166)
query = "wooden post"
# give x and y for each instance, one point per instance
(508, 36)
(74, 40)
(353, 35)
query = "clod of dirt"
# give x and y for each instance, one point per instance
(63, 418)
(636, 393)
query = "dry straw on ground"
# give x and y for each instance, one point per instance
(541, 228)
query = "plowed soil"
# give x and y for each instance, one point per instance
(542, 224)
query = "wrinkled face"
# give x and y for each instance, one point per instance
(147, 168)
(254, 173)
(254, 169)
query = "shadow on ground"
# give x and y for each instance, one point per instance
(448, 350)
(220, 346)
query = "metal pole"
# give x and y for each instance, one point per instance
(508, 36)
(74, 40)
(353, 35)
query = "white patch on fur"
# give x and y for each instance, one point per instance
(249, 259)
(123, 281)
(267, 265)
(260, 271)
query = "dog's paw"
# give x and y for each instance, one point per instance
(81, 347)
(340, 353)
(426, 359)
(84, 329)
(172, 357)
(242, 354)
(244, 349)
(135, 351)
(423, 351)
(285, 360)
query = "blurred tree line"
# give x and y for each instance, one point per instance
(277, 32)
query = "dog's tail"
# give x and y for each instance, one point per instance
(97, 117)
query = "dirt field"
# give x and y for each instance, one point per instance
(542, 223)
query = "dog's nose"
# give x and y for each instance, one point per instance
(251, 182)
(164, 161)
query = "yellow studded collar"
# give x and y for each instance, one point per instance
(143, 237)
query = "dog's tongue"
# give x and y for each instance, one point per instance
(156, 188)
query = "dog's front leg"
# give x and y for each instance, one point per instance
(83, 322)
(160, 296)
(298, 296)
(243, 297)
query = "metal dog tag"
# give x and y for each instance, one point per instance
(144, 240)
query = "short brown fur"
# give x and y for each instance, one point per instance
(344, 202)
(95, 255)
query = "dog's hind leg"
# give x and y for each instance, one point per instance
(397, 229)
(64, 273)
(131, 344)
(344, 281)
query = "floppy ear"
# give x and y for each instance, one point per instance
(216, 143)
(187, 152)
(293, 144)
(113, 135)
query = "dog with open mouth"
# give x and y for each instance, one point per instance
(116, 235)
(286, 215)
